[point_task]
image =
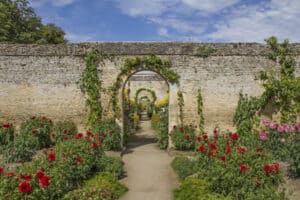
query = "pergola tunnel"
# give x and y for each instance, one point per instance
(145, 96)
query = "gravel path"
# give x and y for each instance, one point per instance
(149, 175)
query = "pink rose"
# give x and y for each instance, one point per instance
(273, 125)
(263, 136)
(266, 122)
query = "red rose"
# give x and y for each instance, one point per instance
(243, 168)
(174, 126)
(24, 187)
(268, 168)
(198, 138)
(94, 145)
(241, 149)
(276, 166)
(215, 131)
(39, 174)
(51, 157)
(228, 150)
(223, 158)
(212, 146)
(89, 133)
(10, 174)
(234, 136)
(78, 160)
(44, 118)
(33, 132)
(26, 177)
(187, 137)
(65, 131)
(78, 136)
(205, 137)
(33, 117)
(1, 170)
(202, 149)
(7, 125)
(53, 135)
(44, 181)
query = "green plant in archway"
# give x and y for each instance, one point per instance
(147, 90)
(150, 62)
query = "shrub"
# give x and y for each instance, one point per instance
(63, 130)
(235, 170)
(66, 165)
(162, 129)
(6, 134)
(294, 159)
(183, 137)
(23, 149)
(110, 164)
(101, 186)
(40, 127)
(184, 167)
(110, 134)
(196, 189)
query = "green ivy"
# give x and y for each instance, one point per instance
(150, 62)
(282, 87)
(200, 110)
(180, 104)
(147, 90)
(90, 85)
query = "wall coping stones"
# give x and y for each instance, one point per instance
(138, 48)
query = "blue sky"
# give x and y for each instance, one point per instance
(173, 20)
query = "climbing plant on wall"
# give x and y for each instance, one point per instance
(90, 85)
(180, 104)
(131, 65)
(200, 110)
(147, 90)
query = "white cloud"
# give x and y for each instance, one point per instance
(163, 32)
(180, 25)
(73, 37)
(209, 5)
(257, 22)
(56, 3)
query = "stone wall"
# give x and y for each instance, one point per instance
(41, 79)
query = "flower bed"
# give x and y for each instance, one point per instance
(183, 137)
(58, 171)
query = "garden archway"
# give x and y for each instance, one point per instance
(146, 63)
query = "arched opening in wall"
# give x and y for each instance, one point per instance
(146, 106)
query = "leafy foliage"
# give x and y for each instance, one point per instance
(101, 186)
(6, 134)
(40, 127)
(90, 85)
(63, 130)
(19, 24)
(196, 189)
(110, 133)
(184, 166)
(294, 159)
(180, 104)
(183, 137)
(200, 110)
(112, 165)
(161, 125)
(22, 150)
(147, 90)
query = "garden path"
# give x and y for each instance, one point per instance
(149, 175)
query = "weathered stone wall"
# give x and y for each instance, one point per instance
(41, 79)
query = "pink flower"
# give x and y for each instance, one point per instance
(280, 129)
(282, 140)
(273, 125)
(263, 136)
(266, 122)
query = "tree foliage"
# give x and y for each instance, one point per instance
(20, 24)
